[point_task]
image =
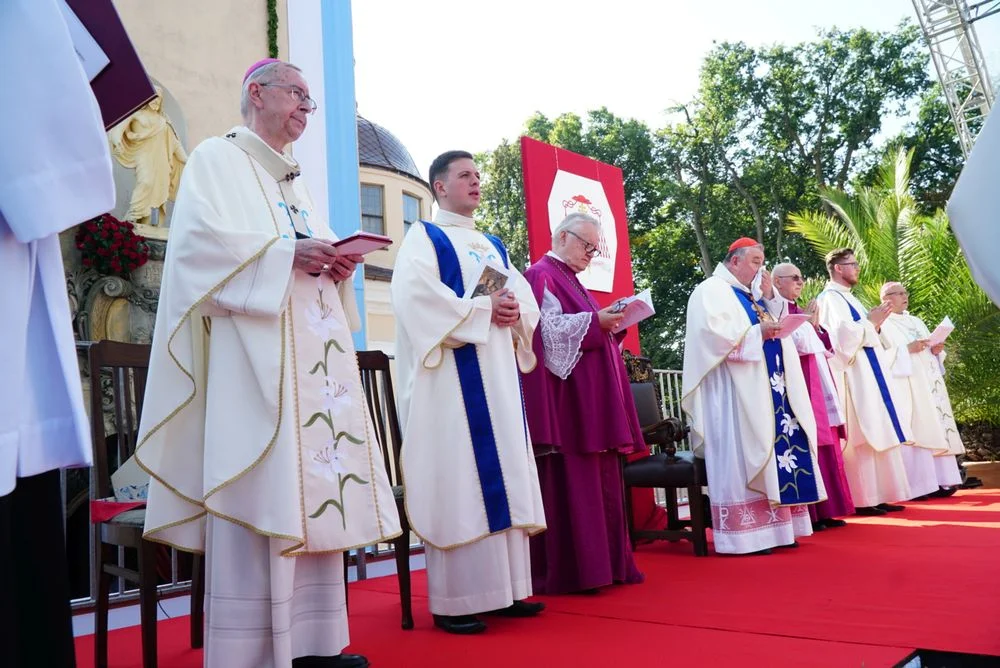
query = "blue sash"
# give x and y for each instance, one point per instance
(883, 388)
(789, 437)
(477, 410)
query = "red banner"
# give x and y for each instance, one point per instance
(558, 182)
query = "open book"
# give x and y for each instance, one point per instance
(635, 309)
(941, 332)
(362, 243)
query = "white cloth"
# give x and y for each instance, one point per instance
(489, 574)
(726, 389)
(229, 318)
(444, 499)
(55, 172)
(873, 460)
(263, 609)
(972, 206)
(562, 333)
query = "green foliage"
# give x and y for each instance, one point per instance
(894, 241)
(272, 28)
(771, 130)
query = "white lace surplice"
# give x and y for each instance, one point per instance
(562, 335)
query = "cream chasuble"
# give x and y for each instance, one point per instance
(255, 412)
(921, 383)
(727, 396)
(444, 497)
(873, 457)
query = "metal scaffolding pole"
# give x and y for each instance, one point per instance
(947, 26)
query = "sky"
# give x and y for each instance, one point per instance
(466, 74)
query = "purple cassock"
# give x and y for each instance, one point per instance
(581, 417)
(831, 459)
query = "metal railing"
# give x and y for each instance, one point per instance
(669, 383)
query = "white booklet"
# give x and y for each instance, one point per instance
(635, 309)
(941, 332)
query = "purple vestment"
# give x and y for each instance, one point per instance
(579, 425)
(831, 459)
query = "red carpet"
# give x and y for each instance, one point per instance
(863, 595)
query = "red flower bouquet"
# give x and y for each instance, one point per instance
(111, 246)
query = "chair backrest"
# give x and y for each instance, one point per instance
(376, 379)
(127, 364)
(646, 405)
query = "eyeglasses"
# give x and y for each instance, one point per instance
(793, 277)
(590, 249)
(847, 264)
(297, 94)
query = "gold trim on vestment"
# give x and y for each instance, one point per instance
(298, 421)
(442, 344)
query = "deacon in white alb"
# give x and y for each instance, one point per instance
(472, 488)
(876, 421)
(55, 172)
(749, 410)
(918, 367)
(254, 427)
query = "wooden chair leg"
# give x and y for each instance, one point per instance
(697, 506)
(197, 602)
(673, 518)
(147, 601)
(101, 554)
(347, 599)
(402, 548)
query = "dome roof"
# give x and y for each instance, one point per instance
(377, 147)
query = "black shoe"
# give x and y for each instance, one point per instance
(818, 525)
(972, 482)
(593, 591)
(890, 507)
(763, 552)
(833, 523)
(792, 544)
(922, 497)
(339, 661)
(459, 624)
(519, 609)
(944, 492)
(869, 511)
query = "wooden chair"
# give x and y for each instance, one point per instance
(377, 381)
(128, 364)
(667, 469)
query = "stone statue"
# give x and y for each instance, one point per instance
(147, 143)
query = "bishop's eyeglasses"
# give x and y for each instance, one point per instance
(297, 94)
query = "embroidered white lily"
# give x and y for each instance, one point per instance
(330, 461)
(778, 383)
(789, 425)
(335, 398)
(787, 461)
(320, 320)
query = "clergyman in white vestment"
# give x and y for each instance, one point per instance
(254, 427)
(471, 486)
(753, 425)
(55, 172)
(876, 419)
(918, 367)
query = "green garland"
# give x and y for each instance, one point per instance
(272, 28)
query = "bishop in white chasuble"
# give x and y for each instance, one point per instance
(750, 417)
(254, 427)
(471, 486)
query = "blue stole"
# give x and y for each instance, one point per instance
(883, 388)
(477, 410)
(789, 437)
